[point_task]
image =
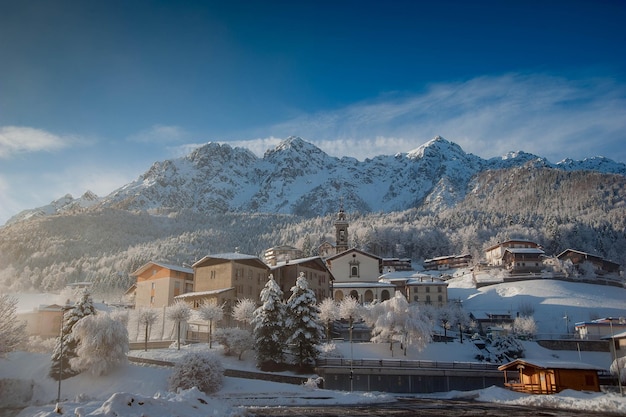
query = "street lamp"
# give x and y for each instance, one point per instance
(58, 409)
(613, 350)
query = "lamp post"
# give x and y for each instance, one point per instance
(613, 350)
(58, 408)
(351, 355)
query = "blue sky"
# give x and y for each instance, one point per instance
(92, 92)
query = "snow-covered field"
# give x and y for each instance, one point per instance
(134, 390)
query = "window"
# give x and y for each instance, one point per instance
(153, 285)
(354, 267)
(440, 299)
(428, 299)
(438, 289)
(213, 274)
(415, 298)
(427, 289)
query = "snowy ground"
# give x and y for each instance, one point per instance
(134, 390)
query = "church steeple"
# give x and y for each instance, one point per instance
(341, 230)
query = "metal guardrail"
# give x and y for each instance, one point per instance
(404, 364)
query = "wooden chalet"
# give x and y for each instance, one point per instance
(601, 265)
(549, 377)
(447, 262)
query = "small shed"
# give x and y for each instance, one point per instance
(549, 377)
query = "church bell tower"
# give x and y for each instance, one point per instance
(341, 231)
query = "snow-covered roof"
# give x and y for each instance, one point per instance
(231, 256)
(203, 293)
(531, 251)
(548, 364)
(162, 265)
(512, 241)
(362, 284)
(619, 335)
(346, 252)
(296, 261)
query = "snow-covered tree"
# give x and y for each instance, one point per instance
(329, 312)
(269, 325)
(234, 340)
(103, 344)
(211, 312)
(388, 319)
(525, 326)
(618, 369)
(147, 317)
(397, 320)
(203, 370)
(11, 329)
(303, 325)
(67, 343)
(243, 311)
(351, 310)
(179, 312)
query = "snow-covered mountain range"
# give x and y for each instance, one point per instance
(298, 178)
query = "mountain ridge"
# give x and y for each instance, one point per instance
(297, 177)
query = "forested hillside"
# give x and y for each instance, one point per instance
(558, 209)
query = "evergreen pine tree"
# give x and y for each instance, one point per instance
(303, 323)
(66, 344)
(269, 326)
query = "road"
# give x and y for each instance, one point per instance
(422, 408)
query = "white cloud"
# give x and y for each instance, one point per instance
(160, 134)
(18, 139)
(488, 116)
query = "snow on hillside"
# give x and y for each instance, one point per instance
(551, 301)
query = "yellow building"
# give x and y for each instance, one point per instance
(159, 283)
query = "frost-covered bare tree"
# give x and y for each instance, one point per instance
(395, 320)
(147, 317)
(243, 311)
(329, 312)
(11, 329)
(235, 341)
(351, 310)
(103, 344)
(211, 312)
(179, 312)
(525, 326)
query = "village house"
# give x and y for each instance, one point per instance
(549, 377)
(281, 253)
(578, 258)
(159, 283)
(43, 321)
(447, 262)
(600, 328)
(493, 324)
(396, 264)
(494, 255)
(617, 343)
(314, 269)
(418, 288)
